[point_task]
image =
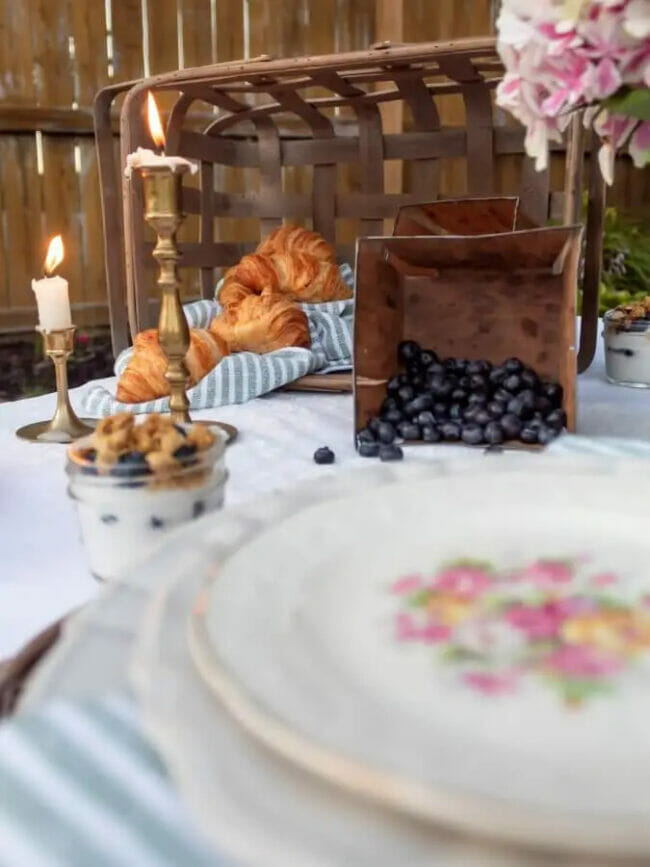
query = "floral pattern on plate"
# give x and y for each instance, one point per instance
(558, 621)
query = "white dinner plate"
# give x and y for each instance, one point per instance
(472, 649)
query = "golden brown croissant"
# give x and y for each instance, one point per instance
(262, 323)
(299, 276)
(144, 375)
(295, 239)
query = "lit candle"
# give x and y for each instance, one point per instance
(144, 158)
(51, 291)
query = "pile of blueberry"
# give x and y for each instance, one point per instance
(455, 400)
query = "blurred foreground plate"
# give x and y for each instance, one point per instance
(472, 649)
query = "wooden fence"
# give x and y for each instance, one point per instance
(55, 54)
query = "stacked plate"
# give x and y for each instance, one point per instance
(412, 666)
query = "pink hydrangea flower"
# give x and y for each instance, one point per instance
(466, 581)
(537, 621)
(581, 660)
(491, 683)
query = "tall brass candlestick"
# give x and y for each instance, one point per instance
(162, 197)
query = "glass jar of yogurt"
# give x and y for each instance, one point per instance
(126, 510)
(627, 349)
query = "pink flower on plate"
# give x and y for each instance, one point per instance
(408, 629)
(604, 579)
(465, 581)
(407, 584)
(537, 621)
(581, 660)
(491, 683)
(547, 573)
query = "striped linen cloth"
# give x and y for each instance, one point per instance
(81, 787)
(245, 375)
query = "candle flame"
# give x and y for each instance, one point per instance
(54, 255)
(155, 124)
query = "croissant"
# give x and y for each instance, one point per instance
(299, 276)
(295, 239)
(144, 376)
(262, 323)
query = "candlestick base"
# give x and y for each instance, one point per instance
(64, 426)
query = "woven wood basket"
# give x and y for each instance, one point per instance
(325, 113)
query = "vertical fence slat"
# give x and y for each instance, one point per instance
(230, 31)
(127, 39)
(163, 36)
(53, 72)
(62, 208)
(16, 55)
(90, 62)
(197, 35)
(92, 250)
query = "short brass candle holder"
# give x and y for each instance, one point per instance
(162, 210)
(64, 426)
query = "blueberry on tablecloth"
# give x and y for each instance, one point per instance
(324, 455)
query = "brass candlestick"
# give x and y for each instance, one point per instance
(162, 197)
(64, 426)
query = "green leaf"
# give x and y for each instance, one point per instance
(419, 598)
(631, 103)
(457, 653)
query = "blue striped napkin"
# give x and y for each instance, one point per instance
(245, 375)
(81, 787)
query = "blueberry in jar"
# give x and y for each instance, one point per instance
(450, 431)
(185, 451)
(390, 453)
(409, 430)
(386, 432)
(472, 434)
(369, 449)
(431, 433)
(493, 433)
(408, 350)
(511, 426)
(324, 455)
(133, 463)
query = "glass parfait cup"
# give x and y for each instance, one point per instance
(124, 513)
(627, 350)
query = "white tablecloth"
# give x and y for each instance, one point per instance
(43, 572)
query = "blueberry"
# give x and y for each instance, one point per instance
(425, 417)
(407, 350)
(456, 411)
(496, 409)
(406, 393)
(459, 395)
(431, 433)
(368, 450)
(449, 364)
(324, 455)
(511, 426)
(477, 367)
(450, 431)
(543, 404)
(373, 424)
(493, 433)
(393, 384)
(185, 451)
(527, 397)
(556, 419)
(530, 379)
(390, 403)
(546, 434)
(518, 407)
(482, 416)
(478, 397)
(386, 432)
(512, 383)
(479, 382)
(409, 431)
(413, 368)
(501, 395)
(528, 435)
(421, 402)
(365, 435)
(394, 416)
(534, 423)
(440, 410)
(427, 357)
(441, 387)
(390, 453)
(131, 464)
(460, 365)
(513, 365)
(472, 434)
(470, 413)
(553, 391)
(497, 375)
(417, 382)
(463, 382)
(198, 508)
(434, 367)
